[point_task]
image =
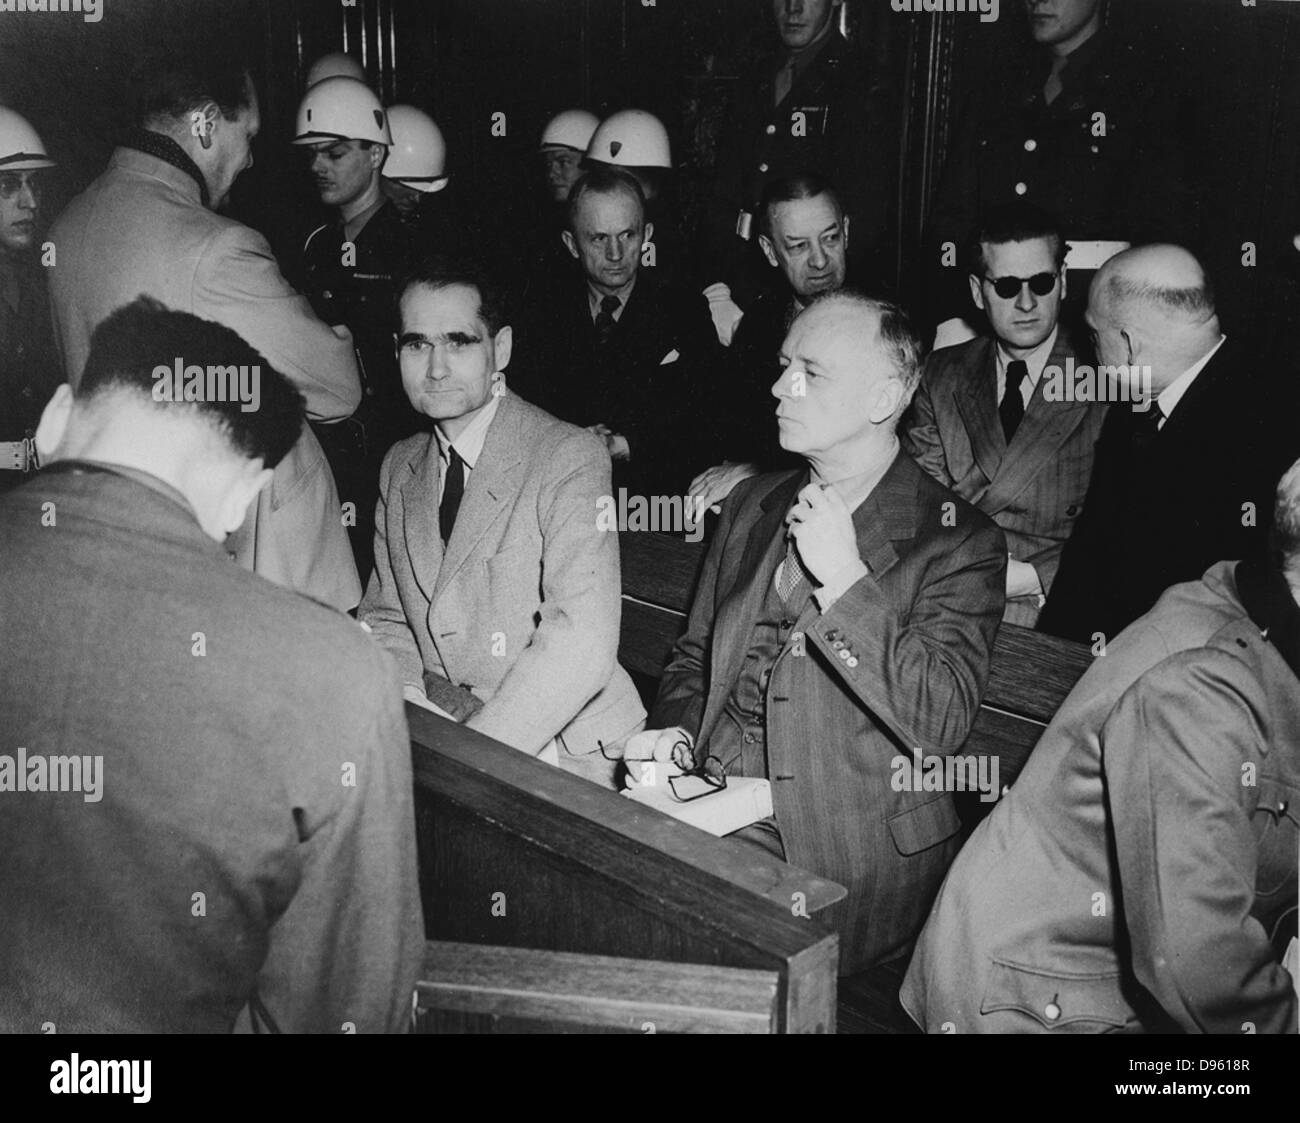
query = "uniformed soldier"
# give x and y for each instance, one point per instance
(1078, 125)
(347, 271)
(564, 143)
(815, 105)
(29, 368)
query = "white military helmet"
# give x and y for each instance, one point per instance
(571, 129)
(418, 157)
(21, 149)
(341, 109)
(631, 138)
(334, 65)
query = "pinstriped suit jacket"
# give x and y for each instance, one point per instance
(1033, 488)
(899, 661)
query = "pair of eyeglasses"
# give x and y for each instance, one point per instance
(698, 779)
(13, 182)
(1040, 284)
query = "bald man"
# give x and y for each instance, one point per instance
(844, 620)
(1141, 873)
(1183, 477)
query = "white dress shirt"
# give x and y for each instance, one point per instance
(1172, 394)
(469, 445)
(1036, 360)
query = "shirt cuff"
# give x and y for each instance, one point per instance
(839, 584)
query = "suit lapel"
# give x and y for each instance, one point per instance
(734, 626)
(420, 517)
(977, 403)
(494, 479)
(1045, 428)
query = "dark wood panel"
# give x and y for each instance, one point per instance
(647, 636)
(595, 992)
(517, 853)
(1032, 673)
(660, 569)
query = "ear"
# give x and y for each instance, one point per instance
(976, 291)
(203, 123)
(569, 243)
(502, 346)
(1132, 346)
(53, 423)
(378, 155)
(649, 233)
(1065, 273)
(241, 493)
(769, 251)
(846, 232)
(888, 399)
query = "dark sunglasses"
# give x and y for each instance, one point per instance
(1040, 284)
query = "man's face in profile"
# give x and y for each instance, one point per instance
(809, 244)
(20, 204)
(235, 139)
(446, 353)
(799, 22)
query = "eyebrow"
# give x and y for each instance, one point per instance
(446, 337)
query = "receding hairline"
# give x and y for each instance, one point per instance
(1135, 286)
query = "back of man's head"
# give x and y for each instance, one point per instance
(170, 88)
(1286, 527)
(183, 399)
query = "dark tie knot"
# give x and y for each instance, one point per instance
(609, 305)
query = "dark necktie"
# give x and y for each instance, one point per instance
(793, 577)
(605, 321)
(1145, 427)
(1012, 409)
(453, 491)
(784, 83)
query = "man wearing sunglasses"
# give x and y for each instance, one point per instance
(982, 422)
(28, 364)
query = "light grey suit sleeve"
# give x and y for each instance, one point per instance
(573, 652)
(238, 283)
(381, 607)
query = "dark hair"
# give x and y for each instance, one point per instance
(787, 189)
(603, 180)
(1014, 222)
(438, 271)
(170, 88)
(128, 346)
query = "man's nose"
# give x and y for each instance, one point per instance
(1026, 301)
(27, 198)
(614, 249)
(817, 257)
(317, 162)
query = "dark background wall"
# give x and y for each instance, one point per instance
(464, 60)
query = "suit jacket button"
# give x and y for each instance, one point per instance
(836, 644)
(851, 661)
(1072, 510)
(762, 167)
(1051, 1012)
(1031, 144)
(842, 653)
(1021, 188)
(771, 130)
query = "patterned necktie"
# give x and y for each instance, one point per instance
(605, 321)
(453, 491)
(1012, 409)
(1145, 427)
(793, 577)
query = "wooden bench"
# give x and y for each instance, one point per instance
(1031, 675)
(521, 857)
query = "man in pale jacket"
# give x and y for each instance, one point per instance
(148, 225)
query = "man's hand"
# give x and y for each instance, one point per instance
(648, 756)
(713, 485)
(1022, 579)
(615, 443)
(822, 526)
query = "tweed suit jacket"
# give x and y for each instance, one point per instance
(1034, 487)
(1133, 875)
(523, 608)
(140, 228)
(919, 633)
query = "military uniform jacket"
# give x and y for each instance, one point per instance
(29, 364)
(1133, 876)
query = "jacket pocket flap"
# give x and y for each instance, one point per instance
(919, 828)
(1054, 1000)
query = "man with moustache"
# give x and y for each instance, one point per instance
(1077, 124)
(982, 423)
(29, 366)
(844, 619)
(150, 225)
(495, 587)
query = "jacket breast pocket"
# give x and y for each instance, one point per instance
(1277, 833)
(1058, 1002)
(919, 828)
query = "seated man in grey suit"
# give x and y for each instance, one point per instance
(844, 620)
(1140, 873)
(984, 421)
(494, 586)
(205, 777)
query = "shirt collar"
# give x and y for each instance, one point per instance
(1036, 360)
(78, 465)
(857, 489)
(469, 445)
(1172, 394)
(594, 297)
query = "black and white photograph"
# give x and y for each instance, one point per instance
(552, 517)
